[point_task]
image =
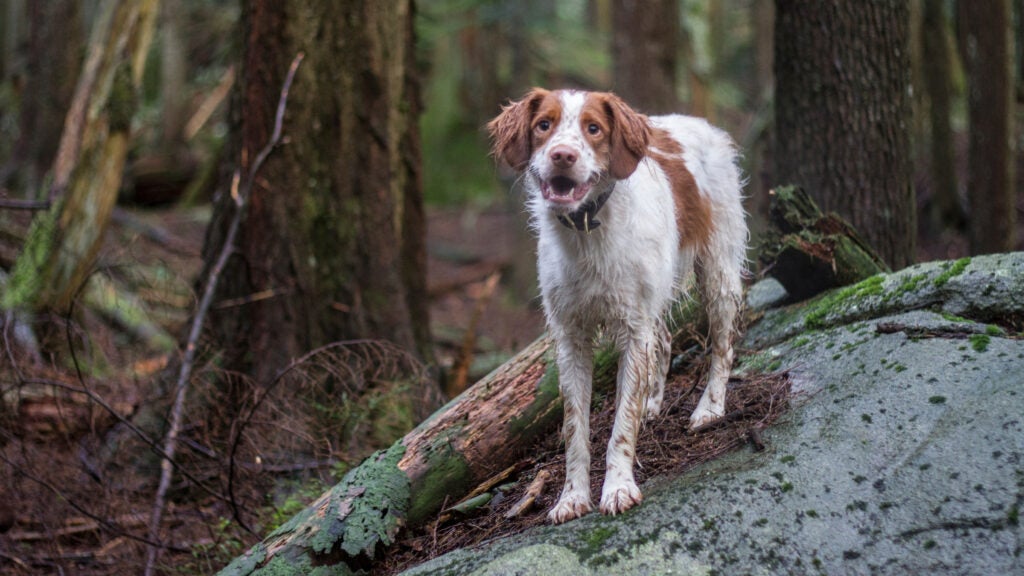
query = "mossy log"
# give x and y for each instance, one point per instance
(809, 252)
(475, 436)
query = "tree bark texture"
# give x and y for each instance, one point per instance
(333, 245)
(645, 46)
(54, 48)
(61, 249)
(991, 192)
(842, 109)
(937, 59)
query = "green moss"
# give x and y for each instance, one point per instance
(829, 303)
(448, 474)
(358, 516)
(979, 342)
(594, 541)
(993, 330)
(952, 271)
(546, 404)
(28, 276)
(908, 285)
(937, 400)
(123, 102)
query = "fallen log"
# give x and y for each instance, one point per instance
(473, 437)
(808, 251)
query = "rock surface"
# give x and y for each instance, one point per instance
(903, 452)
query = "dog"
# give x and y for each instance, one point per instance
(627, 208)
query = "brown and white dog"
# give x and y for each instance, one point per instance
(625, 207)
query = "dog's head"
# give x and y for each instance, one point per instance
(568, 141)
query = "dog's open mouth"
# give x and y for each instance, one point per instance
(563, 190)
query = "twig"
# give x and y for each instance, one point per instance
(24, 204)
(535, 489)
(181, 386)
(210, 104)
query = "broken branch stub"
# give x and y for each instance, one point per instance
(808, 251)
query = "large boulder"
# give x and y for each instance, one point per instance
(903, 452)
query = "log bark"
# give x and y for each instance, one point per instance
(473, 437)
(809, 251)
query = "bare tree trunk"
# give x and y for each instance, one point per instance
(173, 76)
(842, 112)
(645, 44)
(53, 54)
(63, 242)
(991, 193)
(758, 146)
(945, 210)
(333, 244)
(698, 55)
(13, 20)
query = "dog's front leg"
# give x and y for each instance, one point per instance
(637, 366)
(575, 371)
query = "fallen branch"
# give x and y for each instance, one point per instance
(240, 194)
(533, 491)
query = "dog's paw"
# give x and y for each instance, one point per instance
(704, 414)
(619, 497)
(569, 507)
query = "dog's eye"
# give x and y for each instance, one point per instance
(544, 125)
(594, 129)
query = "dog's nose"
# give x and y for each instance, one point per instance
(563, 156)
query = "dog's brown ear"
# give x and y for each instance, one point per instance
(510, 131)
(630, 135)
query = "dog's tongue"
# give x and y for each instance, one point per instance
(564, 189)
(562, 185)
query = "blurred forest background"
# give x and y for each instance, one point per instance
(206, 322)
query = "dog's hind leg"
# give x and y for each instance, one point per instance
(575, 359)
(655, 388)
(722, 291)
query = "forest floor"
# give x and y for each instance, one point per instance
(74, 501)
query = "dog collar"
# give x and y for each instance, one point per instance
(583, 218)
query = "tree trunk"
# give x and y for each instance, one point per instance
(62, 245)
(945, 210)
(333, 244)
(991, 193)
(53, 51)
(645, 44)
(842, 113)
(173, 77)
